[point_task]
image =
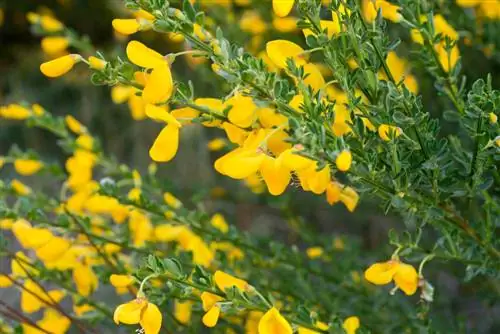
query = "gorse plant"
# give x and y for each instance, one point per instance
(362, 132)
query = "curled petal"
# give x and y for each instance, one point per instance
(151, 319)
(166, 144)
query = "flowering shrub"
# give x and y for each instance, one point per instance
(330, 107)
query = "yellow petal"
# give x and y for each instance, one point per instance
(59, 66)
(54, 45)
(333, 191)
(5, 281)
(183, 311)
(212, 316)
(74, 125)
(151, 319)
(129, 313)
(120, 281)
(276, 176)
(381, 273)
(209, 299)
(225, 281)
(32, 297)
(96, 63)
(388, 132)
(235, 134)
(351, 324)
(50, 24)
(143, 56)
(54, 249)
(27, 166)
(314, 78)
(126, 26)
(294, 161)
(280, 50)
(274, 323)
(160, 114)
(137, 107)
(239, 164)
(406, 278)
(282, 7)
(166, 144)
(344, 160)
(350, 198)
(159, 86)
(120, 93)
(85, 279)
(242, 112)
(20, 188)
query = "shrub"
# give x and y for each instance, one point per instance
(330, 107)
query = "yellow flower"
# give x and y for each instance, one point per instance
(336, 192)
(493, 118)
(139, 311)
(219, 223)
(166, 144)
(293, 161)
(314, 180)
(400, 70)
(15, 111)
(274, 323)
(404, 275)
(282, 7)
(59, 66)
(242, 112)
(252, 22)
(388, 132)
(54, 45)
(212, 316)
(406, 279)
(143, 56)
(34, 297)
(280, 50)
(447, 59)
(275, 175)
(225, 281)
(5, 281)
(314, 78)
(27, 166)
(441, 27)
(96, 63)
(351, 325)
(344, 160)
(20, 188)
(285, 24)
(208, 300)
(389, 11)
(74, 125)
(235, 134)
(182, 311)
(314, 252)
(85, 279)
(50, 24)
(160, 85)
(216, 144)
(85, 142)
(332, 28)
(54, 322)
(30, 237)
(126, 26)
(171, 200)
(121, 281)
